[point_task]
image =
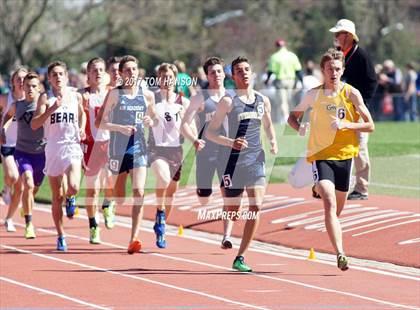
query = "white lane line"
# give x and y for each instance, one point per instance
(344, 219)
(385, 227)
(380, 222)
(295, 217)
(285, 204)
(380, 301)
(48, 292)
(262, 291)
(365, 217)
(374, 218)
(410, 241)
(321, 218)
(185, 260)
(251, 248)
(86, 266)
(185, 208)
(305, 214)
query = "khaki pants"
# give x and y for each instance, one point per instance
(284, 92)
(362, 164)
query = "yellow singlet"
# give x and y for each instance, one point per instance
(324, 142)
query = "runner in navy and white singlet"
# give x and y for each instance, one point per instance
(203, 106)
(127, 110)
(246, 112)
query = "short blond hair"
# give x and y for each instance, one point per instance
(165, 67)
(332, 54)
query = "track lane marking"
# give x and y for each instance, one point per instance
(49, 292)
(96, 268)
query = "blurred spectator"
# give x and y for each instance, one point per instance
(309, 80)
(112, 66)
(142, 79)
(393, 79)
(359, 72)
(377, 108)
(184, 81)
(229, 83)
(42, 74)
(202, 78)
(418, 84)
(410, 93)
(4, 89)
(83, 76)
(286, 67)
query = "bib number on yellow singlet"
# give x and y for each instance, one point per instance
(341, 113)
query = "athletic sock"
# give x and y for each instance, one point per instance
(159, 212)
(28, 218)
(92, 222)
(105, 204)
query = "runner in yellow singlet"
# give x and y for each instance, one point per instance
(333, 143)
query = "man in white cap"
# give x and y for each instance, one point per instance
(360, 73)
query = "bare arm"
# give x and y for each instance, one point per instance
(187, 126)
(102, 120)
(82, 117)
(43, 111)
(296, 115)
(6, 122)
(3, 102)
(192, 90)
(367, 125)
(212, 132)
(268, 126)
(106, 107)
(150, 119)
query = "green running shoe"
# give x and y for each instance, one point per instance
(29, 231)
(94, 236)
(239, 264)
(342, 262)
(109, 215)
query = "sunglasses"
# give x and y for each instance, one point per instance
(338, 33)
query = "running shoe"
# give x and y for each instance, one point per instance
(354, 195)
(10, 226)
(134, 246)
(109, 215)
(226, 243)
(239, 264)
(94, 237)
(159, 229)
(7, 194)
(61, 244)
(70, 206)
(342, 262)
(29, 231)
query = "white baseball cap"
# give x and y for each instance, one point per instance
(347, 26)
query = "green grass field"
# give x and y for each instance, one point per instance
(394, 150)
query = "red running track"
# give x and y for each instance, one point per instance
(383, 228)
(191, 273)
